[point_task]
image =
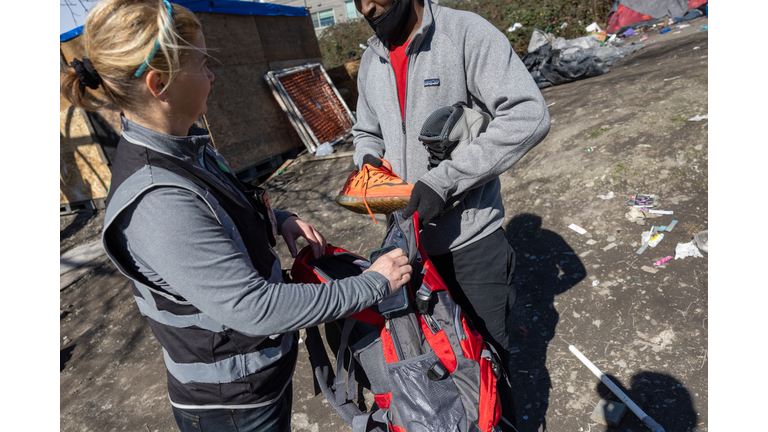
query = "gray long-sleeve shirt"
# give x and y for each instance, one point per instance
(172, 238)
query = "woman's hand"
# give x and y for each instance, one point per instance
(294, 227)
(393, 266)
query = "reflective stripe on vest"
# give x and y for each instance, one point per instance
(229, 369)
(147, 178)
(147, 308)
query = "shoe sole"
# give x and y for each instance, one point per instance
(382, 205)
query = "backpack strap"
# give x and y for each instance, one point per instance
(340, 385)
(325, 378)
(492, 355)
(321, 365)
(365, 422)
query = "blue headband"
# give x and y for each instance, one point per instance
(144, 65)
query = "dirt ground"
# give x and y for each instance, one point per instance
(624, 132)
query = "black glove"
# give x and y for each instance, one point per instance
(372, 160)
(426, 201)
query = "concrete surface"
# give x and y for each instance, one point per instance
(647, 331)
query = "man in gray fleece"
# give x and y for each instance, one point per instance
(424, 57)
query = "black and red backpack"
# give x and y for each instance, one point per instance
(427, 367)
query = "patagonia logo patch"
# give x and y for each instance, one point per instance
(431, 82)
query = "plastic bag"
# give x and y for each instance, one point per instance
(324, 149)
(683, 250)
(593, 27)
(702, 241)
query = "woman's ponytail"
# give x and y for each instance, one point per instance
(78, 76)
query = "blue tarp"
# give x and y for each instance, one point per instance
(71, 34)
(223, 6)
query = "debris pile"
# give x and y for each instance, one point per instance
(553, 60)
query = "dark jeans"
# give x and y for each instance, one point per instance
(480, 279)
(271, 418)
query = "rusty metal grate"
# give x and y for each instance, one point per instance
(312, 103)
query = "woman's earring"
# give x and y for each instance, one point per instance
(165, 100)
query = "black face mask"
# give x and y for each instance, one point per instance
(387, 27)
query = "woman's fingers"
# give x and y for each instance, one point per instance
(393, 266)
(294, 227)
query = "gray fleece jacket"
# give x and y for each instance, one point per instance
(455, 56)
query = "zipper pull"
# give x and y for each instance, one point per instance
(386, 323)
(430, 323)
(403, 127)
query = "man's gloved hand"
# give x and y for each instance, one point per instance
(426, 201)
(372, 160)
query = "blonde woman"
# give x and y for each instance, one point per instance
(196, 242)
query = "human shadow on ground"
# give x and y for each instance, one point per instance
(66, 355)
(545, 267)
(662, 397)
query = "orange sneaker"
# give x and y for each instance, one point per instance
(374, 190)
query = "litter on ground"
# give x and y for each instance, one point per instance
(683, 250)
(639, 216)
(702, 241)
(553, 60)
(645, 418)
(666, 228)
(647, 201)
(577, 228)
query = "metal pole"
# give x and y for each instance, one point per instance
(652, 425)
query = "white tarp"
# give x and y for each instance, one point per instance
(539, 38)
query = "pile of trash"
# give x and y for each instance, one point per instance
(554, 60)
(646, 207)
(643, 207)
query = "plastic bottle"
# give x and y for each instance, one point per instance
(324, 149)
(702, 240)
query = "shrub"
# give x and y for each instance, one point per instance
(546, 15)
(339, 39)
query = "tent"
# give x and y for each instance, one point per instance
(627, 12)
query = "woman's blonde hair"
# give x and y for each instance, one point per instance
(120, 35)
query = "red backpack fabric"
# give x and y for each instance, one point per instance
(428, 368)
